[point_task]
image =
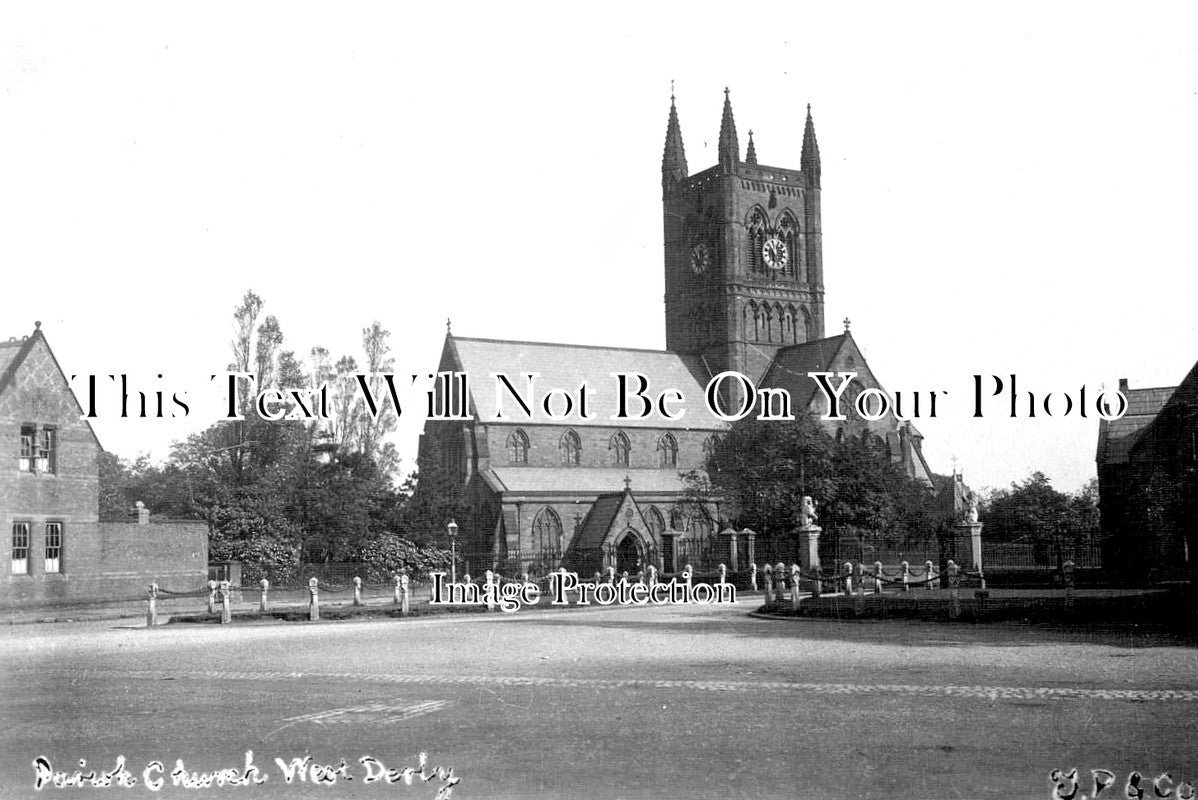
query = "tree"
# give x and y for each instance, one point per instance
(1036, 513)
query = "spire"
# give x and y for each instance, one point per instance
(729, 147)
(673, 161)
(810, 157)
(751, 153)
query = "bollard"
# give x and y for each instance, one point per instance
(211, 597)
(931, 581)
(954, 593)
(313, 599)
(357, 591)
(877, 577)
(640, 577)
(395, 578)
(226, 614)
(624, 577)
(265, 585)
(753, 577)
(767, 573)
(687, 573)
(652, 576)
(780, 581)
(611, 575)
(906, 576)
(524, 576)
(598, 576)
(859, 599)
(489, 590)
(152, 612)
(848, 578)
(794, 587)
(404, 594)
(723, 573)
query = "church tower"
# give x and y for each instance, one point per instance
(743, 252)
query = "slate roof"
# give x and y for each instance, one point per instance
(567, 366)
(581, 480)
(790, 367)
(1117, 437)
(599, 521)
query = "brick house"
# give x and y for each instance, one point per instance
(1148, 482)
(744, 293)
(56, 549)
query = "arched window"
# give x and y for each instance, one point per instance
(546, 530)
(620, 447)
(808, 331)
(667, 449)
(571, 448)
(756, 239)
(517, 447)
(788, 230)
(709, 445)
(655, 521)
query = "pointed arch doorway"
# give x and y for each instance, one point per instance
(630, 554)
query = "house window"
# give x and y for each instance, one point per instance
(53, 562)
(28, 434)
(667, 448)
(20, 548)
(518, 447)
(46, 450)
(39, 448)
(571, 449)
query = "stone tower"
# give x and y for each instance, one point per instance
(743, 252)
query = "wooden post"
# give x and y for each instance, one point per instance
(265, 585)
(152, 612)
(226, 613)
(404, 594)
(313, 599)
(357, 591)
(753, 577)
(211, 597)
(954, 587)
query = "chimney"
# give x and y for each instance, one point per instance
(1123, 385)
(143, 513)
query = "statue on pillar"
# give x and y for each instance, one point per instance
(807, 515)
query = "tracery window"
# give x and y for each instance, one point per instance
(621, 448)
(517, 445)
(667, 449)
(571, 447)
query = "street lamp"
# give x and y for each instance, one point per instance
(452, 527)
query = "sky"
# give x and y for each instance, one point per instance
(1007, 188)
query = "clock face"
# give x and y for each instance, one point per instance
(773, 252)
(700, 258)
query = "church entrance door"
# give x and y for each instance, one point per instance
(628, 556)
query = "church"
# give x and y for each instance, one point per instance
(744, 292)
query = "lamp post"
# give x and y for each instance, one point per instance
(452, 527)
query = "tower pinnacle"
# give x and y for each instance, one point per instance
(751, 152)
(673, 160)
(729, 147)
(809, 162)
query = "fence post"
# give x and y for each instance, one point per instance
(848, 578)
(794, 587)
(226, 614)
(688, 573)
(1067, 577)
(357, 591)
(652, 576)
(877, 577)
(753, 577)
(767, 576)
(859, 600)
(624, 576)
(152, 612)
(954, 587)
(265, 585)
(395, 579)
(932, 581)
(906, 576)
(488, 589)
(611, 575)
(211, 597)
(404, 594)
(723, 573)
(313, 599)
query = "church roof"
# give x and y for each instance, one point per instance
(581, 480)
(568, 366)
(790, 367)
(597, 523)
(1117, 437)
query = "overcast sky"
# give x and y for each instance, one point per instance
(1005, 190)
